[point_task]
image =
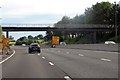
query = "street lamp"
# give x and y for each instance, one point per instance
(115, 22)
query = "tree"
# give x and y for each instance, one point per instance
(1, 30)
(65, 20)
(35, 38)
(40, 36)
(99, 13)
(78, 19)
(11, 37)
(22, 40)
(30, 37)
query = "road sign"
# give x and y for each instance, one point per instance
(55, 39)
(6, 41)
(1, 46)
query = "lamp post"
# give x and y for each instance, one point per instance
(115, 22)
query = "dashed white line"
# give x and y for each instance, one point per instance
(80, 54)
(7, 58)
(99, 51)
(67, 78)
(103, 59)
(43, 57)
(51, 63)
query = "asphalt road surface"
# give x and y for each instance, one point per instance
(61, 63)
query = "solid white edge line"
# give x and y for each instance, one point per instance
(67, 78)
(43, 57)
(7, 57)
(51, 63)
(103, 59)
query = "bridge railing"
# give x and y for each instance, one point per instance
(27, 25)
(59, 25)
(83, 26)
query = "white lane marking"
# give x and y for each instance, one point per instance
(43, 57)
(51, 63)
(80, 54)
(107, 52)
(67, 78)
(99, 51)
(103, 59)
(7, 58)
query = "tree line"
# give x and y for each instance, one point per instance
(100, 13)
(30, 39)
(103, 13)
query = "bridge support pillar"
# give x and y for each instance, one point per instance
(94, 37)
(7, 34)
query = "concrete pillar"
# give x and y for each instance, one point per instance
(94, 37)
(76, 35)
(63, 33)
(70, 35)
(7, 34)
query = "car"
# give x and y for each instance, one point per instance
(34, 47)
(53, 46)
(23, 45)
(63, 43)
(110, 42)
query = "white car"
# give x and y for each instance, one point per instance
(23, 45)
(110, 42)
(63, 43)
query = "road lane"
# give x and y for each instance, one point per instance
(59, 63)
(87, 66)
(91, 54)
(23, 65)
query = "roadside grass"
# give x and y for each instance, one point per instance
(47, 42)
(40, 41)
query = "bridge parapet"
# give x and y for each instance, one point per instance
(27, 25)
(83, 26)
(59, 25)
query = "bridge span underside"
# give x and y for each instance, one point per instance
(54, 29)
(91, 30)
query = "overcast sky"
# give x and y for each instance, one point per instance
(42, 11)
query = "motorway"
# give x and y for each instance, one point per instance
(61, 63)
